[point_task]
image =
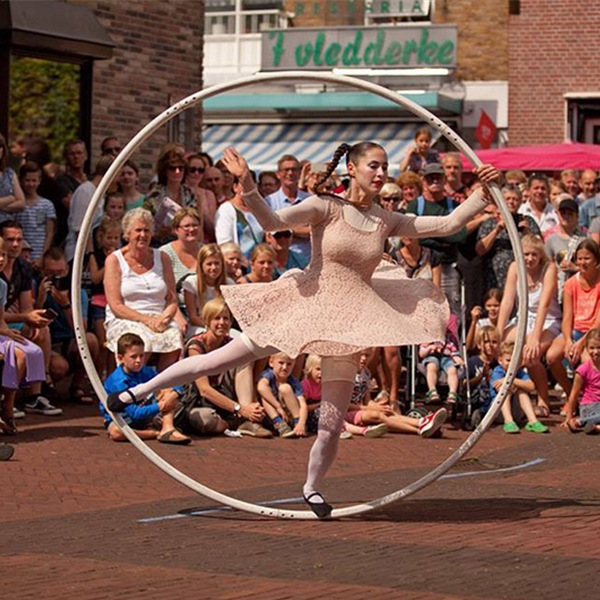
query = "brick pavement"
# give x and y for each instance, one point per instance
(73, 506)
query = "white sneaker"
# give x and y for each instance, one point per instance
(42, 406)
(375, 431)
(18, 414)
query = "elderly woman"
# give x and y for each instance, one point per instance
(235, 223)
(140, 291)
(170, 170)
(493, 241)
(183, 252)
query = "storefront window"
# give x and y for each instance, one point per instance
(231, 17)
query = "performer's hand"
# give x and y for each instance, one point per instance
(487, 174)
(236, 164)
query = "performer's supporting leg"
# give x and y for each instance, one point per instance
(339, 373)
(236, 353)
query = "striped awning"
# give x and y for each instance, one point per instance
(263, 144)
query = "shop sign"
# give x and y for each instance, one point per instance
(397, 8)
(364, 47)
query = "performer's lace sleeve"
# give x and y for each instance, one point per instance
(310, 211)
(422, 226)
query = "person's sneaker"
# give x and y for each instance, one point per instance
(345, 435)
(254, 430)
(284, 430)
(41, 406)
(590, 429)
(430, 424)
(375, 431)
(536, 427)
(511, 427)
(18, 414)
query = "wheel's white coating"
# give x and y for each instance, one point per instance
(191, 101)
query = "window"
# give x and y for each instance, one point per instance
(231, 17)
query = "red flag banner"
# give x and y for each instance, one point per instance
(486, 130)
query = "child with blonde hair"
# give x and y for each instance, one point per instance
(282, 397)
(522, 387)
(585, 394)
(234, 260)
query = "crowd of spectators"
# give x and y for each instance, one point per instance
(160, 252)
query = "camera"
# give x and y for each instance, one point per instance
(60, 283)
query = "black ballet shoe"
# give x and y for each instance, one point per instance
(115, 404)
(321, 509)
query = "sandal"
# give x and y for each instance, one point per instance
(452, 398)
(432, 395)
(8, 426)
(541, 410)
(321, 509)
(168, 437)
(80, 396)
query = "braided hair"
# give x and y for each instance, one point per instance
(353, 153)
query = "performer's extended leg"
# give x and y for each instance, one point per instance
(339, 374)
(234, 354)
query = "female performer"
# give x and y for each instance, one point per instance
(340, 304)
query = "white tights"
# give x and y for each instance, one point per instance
(338, 380)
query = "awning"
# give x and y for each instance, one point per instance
(53, 27)
(262, 145)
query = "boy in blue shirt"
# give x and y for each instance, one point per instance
(151, 418)
(522, 388)
(282, 397)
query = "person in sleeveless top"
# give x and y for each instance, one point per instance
(140, 291)
(543, 313)
(323, 308)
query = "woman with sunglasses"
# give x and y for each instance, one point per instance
(170, 194)
(343, 302)
(206, 203)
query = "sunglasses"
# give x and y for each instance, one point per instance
(194, 170)
(390, 198)
(176, 168)
(433, 178)
(282, 234)
(113, 150)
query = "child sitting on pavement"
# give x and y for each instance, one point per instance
(479, 368)
(282, 397)
(141, 416)
(585, 394)
(445, 356)
(311, 390)
(374, 418)
(521, 389)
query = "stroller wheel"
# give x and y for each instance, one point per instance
(476, 418)
(417, 412)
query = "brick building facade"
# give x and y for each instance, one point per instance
(553, 51)
(157, 60)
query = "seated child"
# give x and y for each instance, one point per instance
(141, 416)
(522, 387)
(444, 356)
(375, 418)
(585, 394)
(491, 304)
(232, 254)
(311, 390)
(479, 368)
(225, 401)
(282, 396)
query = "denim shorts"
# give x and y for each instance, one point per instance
(446, 362)
(97, 313)
(589, 413)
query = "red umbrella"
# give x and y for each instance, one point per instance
(542, 157)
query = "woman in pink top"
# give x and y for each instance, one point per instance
(586, 383)
(581, 312)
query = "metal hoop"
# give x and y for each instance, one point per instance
(161, 463)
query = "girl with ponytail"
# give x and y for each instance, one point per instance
(343, 302)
